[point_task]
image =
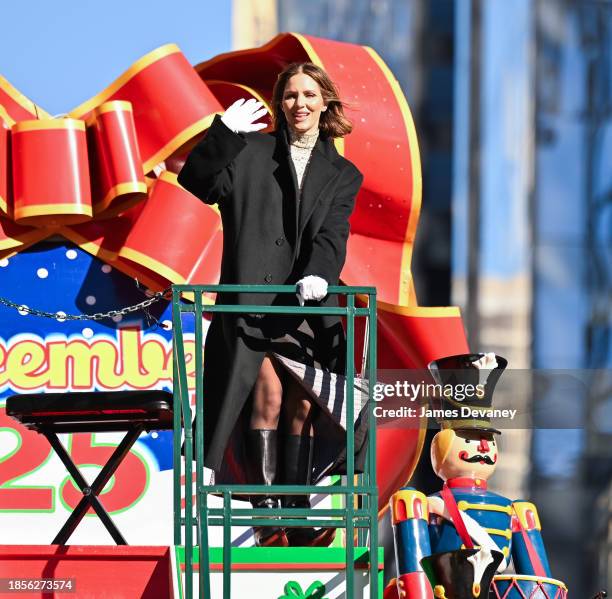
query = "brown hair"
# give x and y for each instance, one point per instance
(332, 123)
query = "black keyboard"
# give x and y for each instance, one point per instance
(92, 411)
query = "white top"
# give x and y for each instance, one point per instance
(301, 146)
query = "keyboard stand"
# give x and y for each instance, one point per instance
(129, 411)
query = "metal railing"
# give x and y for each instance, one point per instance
(360, 511)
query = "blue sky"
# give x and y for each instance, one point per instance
(62, 53)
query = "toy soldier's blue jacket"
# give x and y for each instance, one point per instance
(419, 533)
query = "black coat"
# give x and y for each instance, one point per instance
(272, 234)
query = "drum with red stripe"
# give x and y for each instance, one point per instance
(518, 586)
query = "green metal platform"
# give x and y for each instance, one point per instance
(359, 514)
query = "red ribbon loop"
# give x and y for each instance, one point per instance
(116, 165)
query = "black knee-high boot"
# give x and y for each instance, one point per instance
(261, 449)
(297, 470)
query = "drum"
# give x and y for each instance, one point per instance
(517, 586)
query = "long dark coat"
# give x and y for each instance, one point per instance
(272, 234)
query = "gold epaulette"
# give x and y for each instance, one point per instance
(408, 504)
(527, 514)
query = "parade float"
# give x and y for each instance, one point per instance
(94, 230)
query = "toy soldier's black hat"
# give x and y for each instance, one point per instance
(467, 380)
(452, 574)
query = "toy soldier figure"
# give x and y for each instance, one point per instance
(450, 544)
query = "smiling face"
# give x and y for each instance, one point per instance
(303, 103)
(464, 453)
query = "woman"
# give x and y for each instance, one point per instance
(285, 200)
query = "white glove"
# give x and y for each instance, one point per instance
(240, 117)
(311, 288)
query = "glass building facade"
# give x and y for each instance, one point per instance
(572, 273)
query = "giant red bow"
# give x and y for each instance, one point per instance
(90, 178)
